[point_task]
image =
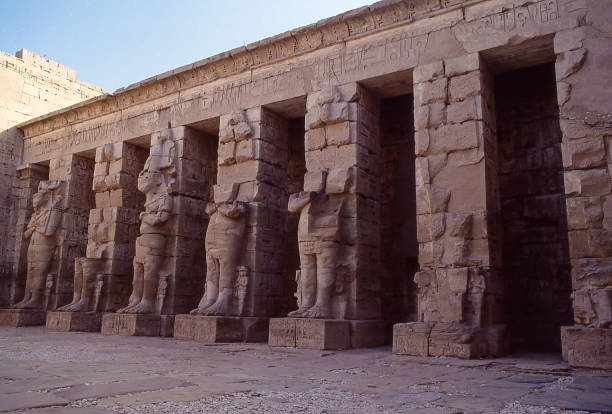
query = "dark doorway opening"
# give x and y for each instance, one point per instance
(296, 168)
(399, 245)
(534, 260)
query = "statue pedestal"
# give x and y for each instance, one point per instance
(74, 321)
(449, 339)
(325, 333)
(131, 324)
(587, 347)
(220, 328)
(22, 317)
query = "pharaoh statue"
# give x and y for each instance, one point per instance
(155, 181)
(319, 244)
(223, 245)
(42, 230)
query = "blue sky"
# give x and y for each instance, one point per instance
(112, 43)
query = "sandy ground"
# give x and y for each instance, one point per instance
(47, 372)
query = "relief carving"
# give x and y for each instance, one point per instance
(42, 230)
(241, 288)
(223, 247)
(155, 181)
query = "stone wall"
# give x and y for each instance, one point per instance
(31, 85)
(585, 111)
(345, 69)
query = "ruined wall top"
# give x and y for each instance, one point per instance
(33, 85)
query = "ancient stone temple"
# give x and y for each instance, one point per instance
(435, 174)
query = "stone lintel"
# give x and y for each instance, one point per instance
(220, 328)
(449, 339)
(74, 321)
(22, 317)
(130, 324)
(325, 333)
(587, 347)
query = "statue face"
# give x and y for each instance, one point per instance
(39, 199)
(148, 180)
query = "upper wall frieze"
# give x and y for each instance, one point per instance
(346, 26)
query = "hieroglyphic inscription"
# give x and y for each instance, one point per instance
(515, 17)
(293, 78)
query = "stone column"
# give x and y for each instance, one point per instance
(253, 153)
(244, 241)
(28, 178)
(76, 174)
(113, 224)
(195, 155)
(102, 279)
(176, 180)
(585, 110)
(457, 200)
(339, 229)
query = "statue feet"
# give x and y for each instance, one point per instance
(29, 304)
(222, 307)
(142, 307)
(299, 313)
(198, 311)
(127, 309)
(317, 312)
(78, 306)
(204, 304)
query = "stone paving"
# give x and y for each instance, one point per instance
(80, 373)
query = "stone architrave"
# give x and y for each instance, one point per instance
(102, 277)
(339, 226)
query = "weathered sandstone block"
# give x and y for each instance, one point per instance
(220, 328)
(132, 324)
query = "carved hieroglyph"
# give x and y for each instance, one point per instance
(223, 247)
(42, 230)
(155, 181)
